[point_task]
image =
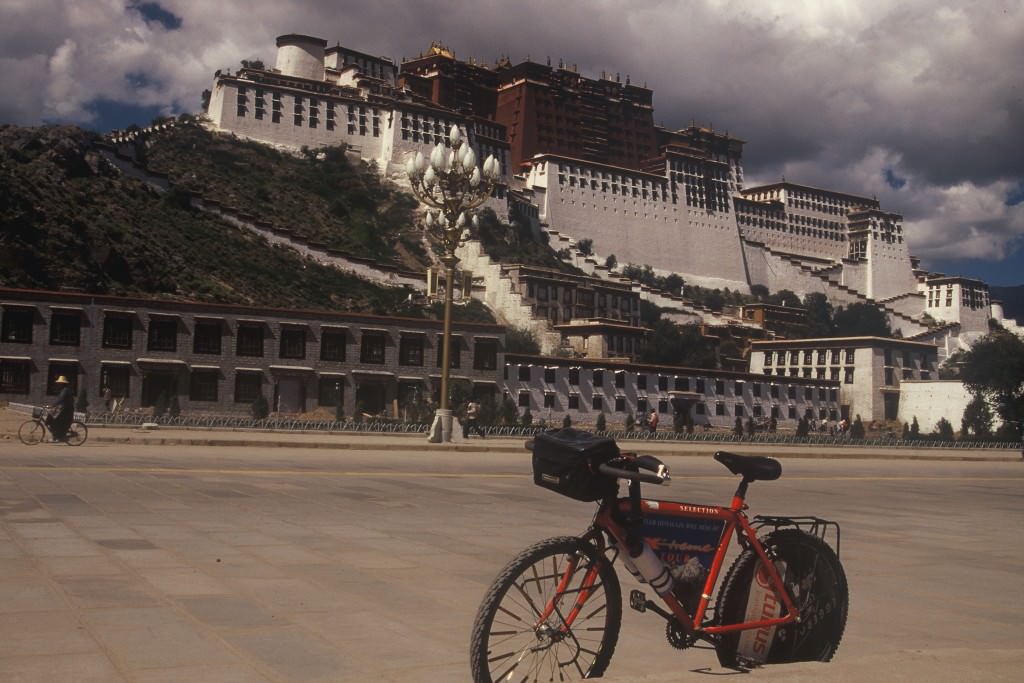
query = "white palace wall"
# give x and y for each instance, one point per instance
(640, 224)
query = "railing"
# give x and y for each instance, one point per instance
(381, 426)
(243, 422)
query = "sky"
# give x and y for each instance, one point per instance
(919, 103)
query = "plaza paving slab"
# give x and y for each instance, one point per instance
(277, 558)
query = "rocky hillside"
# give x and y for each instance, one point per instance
(71, 220)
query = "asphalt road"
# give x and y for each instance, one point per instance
(161, 563)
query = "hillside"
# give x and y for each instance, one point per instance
(321, 197)
(71, 220)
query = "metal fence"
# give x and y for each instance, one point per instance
(379, 426)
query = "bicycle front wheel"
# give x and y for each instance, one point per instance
(817, 585)
(32, 432)
(553, 614)
(77, 434)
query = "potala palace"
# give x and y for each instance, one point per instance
(581, 162)
(583, 159)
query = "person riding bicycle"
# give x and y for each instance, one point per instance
(59, 421)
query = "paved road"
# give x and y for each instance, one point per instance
(123, 562)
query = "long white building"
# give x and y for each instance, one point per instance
(685, 211)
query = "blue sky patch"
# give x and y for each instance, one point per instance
(108, 115)
(1016, 194)
(893, 180)
(153, 12)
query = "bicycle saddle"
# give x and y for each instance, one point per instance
(752, 467)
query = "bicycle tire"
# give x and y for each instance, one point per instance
(817, 585)
(77, 434)
(506, 638)
(32, 432)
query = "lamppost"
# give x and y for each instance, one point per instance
(450, 183)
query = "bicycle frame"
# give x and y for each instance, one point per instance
(616, 518)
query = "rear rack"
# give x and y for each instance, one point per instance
(815, 526)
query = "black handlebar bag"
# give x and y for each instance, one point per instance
(566, 460)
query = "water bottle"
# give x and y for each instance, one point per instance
(643, 563)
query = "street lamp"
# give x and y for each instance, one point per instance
(450, 183)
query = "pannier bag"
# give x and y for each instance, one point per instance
(566, 461)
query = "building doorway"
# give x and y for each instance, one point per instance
(290, 395)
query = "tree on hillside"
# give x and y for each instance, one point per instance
(520, 340)
(672, 344)
(944, 430)
(977, 419)
(674, 284)
(820, 314)
(784, 297)
(993, 369)
(862, 320)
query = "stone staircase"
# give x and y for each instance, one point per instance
(841, 293)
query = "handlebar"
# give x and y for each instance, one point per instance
(658, 470)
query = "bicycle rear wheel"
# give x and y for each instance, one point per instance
(77, 434)
(32, 432)
(523, 632)
(817, 585)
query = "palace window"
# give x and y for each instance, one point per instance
(65, 328)
(17, 325)
(202, 385)
(293, 343)
(14, 376)
(249, 340)
(410, 350)
(248, 386)
(163, 334)
(117, 331)
(332, 344)
(372, 347)
(207, 337)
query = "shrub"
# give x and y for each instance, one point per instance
(259, 408)
(602, 423)
(566, 422)
(630, 422)
(527, 419)
(161, 404)
(944, 430)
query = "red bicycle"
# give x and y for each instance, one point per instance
(554, 612)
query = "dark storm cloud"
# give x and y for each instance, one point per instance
(916, 103)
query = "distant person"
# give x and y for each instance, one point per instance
(63, 410)
(652, 421)
(108, 398)
(472, 415)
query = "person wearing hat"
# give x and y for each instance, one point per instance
(64, 412)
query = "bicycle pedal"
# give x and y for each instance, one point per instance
(638, 601)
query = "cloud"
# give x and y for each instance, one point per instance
(919, 103)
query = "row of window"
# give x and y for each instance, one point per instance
(360, 118)
(721, 409)
(204, 384)
(525, 373)
(162, 335)
(809, 356)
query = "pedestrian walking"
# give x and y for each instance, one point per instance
(472, 415)
(652, 421)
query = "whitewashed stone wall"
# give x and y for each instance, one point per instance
(930, 401)
(642, 228)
